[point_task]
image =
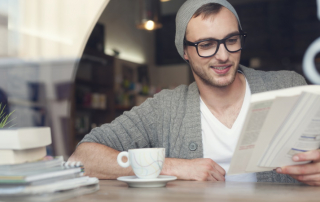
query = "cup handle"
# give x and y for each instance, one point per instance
(119, 159)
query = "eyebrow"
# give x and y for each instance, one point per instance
(228, 35)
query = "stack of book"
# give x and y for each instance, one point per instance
(30, 176)
(21, 145)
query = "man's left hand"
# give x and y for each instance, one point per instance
(306, 173)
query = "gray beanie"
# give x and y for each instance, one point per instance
(186, 12)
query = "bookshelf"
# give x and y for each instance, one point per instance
(93, 100)
(104, 88)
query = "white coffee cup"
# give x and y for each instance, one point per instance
(145, 162)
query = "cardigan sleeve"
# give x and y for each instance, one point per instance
(298, 80)
(134, 129)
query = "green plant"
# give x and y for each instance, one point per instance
(3, 116)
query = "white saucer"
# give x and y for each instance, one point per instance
(134, 181)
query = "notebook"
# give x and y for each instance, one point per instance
(29, 176)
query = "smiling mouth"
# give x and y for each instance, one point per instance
(220, 67)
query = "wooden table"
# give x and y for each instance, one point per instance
(194, 191)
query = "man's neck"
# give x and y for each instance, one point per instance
(224, 102)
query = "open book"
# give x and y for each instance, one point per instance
(278, 125)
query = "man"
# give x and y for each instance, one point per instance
(198, 124)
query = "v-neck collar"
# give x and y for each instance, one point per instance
(236, 123)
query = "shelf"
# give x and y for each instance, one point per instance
(79, 136)
(91, 109)
(26, 103)
(92, 83)
(123, 108)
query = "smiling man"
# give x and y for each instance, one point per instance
(199, 124)
(206, 30)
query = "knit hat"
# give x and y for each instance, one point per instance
(186, 12)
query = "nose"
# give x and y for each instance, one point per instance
(222, 54)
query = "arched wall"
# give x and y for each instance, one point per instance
(42, 41)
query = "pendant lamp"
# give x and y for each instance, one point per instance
(148, 14)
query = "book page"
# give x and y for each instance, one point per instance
(257, 113)
(287, 128)
(302, 136)
(270, 95)
(255, 118)
(279, 111)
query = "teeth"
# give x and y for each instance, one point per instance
(219, 68)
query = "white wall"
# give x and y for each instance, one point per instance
(173, 75)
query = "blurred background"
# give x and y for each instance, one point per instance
(76, 64)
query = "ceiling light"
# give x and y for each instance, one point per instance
(148, 14)
(149, 25)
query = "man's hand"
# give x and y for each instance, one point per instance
(307, 173)
(202, 169)
(101, 161)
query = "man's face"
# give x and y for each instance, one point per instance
(218, 70)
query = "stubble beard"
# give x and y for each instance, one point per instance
(210, 80)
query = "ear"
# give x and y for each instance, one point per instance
(185, 55)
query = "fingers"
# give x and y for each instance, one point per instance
(214, 171)
(211, 178)
(205, 169)
(217, 176)
(307, 178)
(306, 169)
(307, 173)
(218, 172)
(219, 168)
(214, 176)
(313, 179)
(313, 155)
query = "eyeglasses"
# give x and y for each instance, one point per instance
(209, 47)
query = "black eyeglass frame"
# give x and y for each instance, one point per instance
(242, 40)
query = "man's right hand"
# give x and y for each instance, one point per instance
(202, 169)
(101, 161)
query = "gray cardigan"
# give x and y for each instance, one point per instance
(171, 119)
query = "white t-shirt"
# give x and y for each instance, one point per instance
(219, 141)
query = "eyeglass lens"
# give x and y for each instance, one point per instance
(207, 48)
